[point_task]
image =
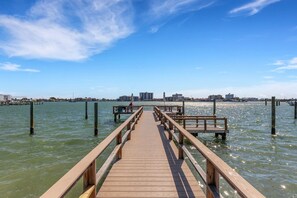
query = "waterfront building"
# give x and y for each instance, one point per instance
(5, 98)
(128, 98)
(146, 96)
(215, 97)
(177, 97)
(1, 98)
(229, 96)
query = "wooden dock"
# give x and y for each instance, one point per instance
(146, 162)
(150, 167)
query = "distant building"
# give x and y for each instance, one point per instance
(229, 96)
(177, 97)
(128, 98)
(146, 96)
(5, 98)
(217, 97)
(124, 98)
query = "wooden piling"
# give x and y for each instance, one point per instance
(184, 121)
(273, 115)
(95, 118)
(86, 110)
(295, 114)
(31, 119)
(214, 107)
(265, 101)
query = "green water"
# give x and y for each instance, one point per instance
(30, 165)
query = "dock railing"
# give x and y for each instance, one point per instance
(86, 168)
(215, 166)
(171, 108)
(124, 109)
(195, 121)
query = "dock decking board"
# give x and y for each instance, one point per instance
(149, 166)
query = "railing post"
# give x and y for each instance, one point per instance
(165, 120)
(205, 124)
(170, 129)
(181, 143)
(129, 128)
(212, 180)
(133, 120)
(89, 178)
(226, 124)
(119, 141)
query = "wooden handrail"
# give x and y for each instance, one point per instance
(215, 166)
(87, 165)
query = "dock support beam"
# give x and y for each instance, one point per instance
(31, 118)
(273, 115)
(86, 110)
(95, 118)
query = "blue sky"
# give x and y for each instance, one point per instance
(108, 48)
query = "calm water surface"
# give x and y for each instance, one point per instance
(30, 165)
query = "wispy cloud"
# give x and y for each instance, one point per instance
(15, 68)
(67, 30)
(253, 7)
(170, 7)
(161, 12)
(283, 65)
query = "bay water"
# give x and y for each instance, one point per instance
(29, 165)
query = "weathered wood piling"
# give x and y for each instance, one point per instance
(295, 112)
(31, 118)
(184, 121)
(95, 118)
(273, 115)
(265, 101)
(214, 107)
(86, 110)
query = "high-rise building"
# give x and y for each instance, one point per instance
(146, 96)
(229, 96)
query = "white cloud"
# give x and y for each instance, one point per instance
(15, 68)
(290, 64)
(268, 77)
(279, 63)
(170, 7)
(67, 30)
(253, 7)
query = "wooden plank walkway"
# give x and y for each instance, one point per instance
(149, 166)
